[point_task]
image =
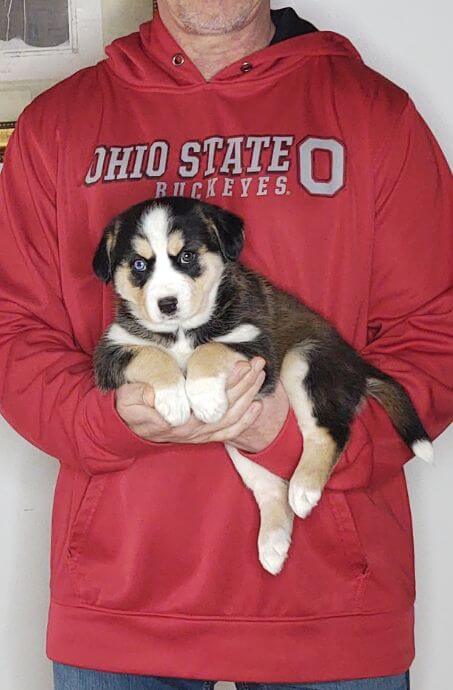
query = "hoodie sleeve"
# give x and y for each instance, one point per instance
(282, 456)
(410, 320)
(410, 324)
(47, 391)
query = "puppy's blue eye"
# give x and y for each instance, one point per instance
(186, 258)
(140, 265)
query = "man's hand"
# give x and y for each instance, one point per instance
(134, 403)
(267, 425)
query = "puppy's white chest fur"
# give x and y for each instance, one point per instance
(181, 349)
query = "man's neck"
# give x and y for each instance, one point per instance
(212, 53)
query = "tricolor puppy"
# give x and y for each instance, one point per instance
(187, 310)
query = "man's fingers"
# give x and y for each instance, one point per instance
(148, 395)
(134, 403)
(251, 378)
(243, 367)
(241, 425)
(205, 432)
(258, 363)
(142, 416)
(238, 372)
(239, 406)
(245, 383)
(183, 433)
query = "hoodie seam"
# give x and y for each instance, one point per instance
(89, 156)
(376, 158)
(379, 155)
(228, 619)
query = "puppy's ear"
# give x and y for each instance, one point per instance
(103, 258)
(228, 230)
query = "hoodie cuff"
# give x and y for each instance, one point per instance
(283, 454)
(108, 444)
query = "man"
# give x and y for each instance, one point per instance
(346, 199)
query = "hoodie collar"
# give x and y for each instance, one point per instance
(153, 60)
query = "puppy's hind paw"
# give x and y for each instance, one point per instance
(302, 498)
(273, 550)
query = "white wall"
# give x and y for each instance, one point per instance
(409, 41)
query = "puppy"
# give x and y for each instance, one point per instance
(187, 310)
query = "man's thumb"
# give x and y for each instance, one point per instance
(148, 395)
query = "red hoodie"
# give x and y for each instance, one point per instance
(346, 200)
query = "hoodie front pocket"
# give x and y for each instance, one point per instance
(166, 538)
(350, 542)
(79, 531)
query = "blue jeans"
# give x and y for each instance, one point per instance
(72, 678)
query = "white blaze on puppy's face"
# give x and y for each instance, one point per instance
(165, 282)
(193, 297)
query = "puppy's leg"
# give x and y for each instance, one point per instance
(207, 371)
(276, 517)
(158, 369)
(320, 450)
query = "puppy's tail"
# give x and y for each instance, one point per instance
(394, 399)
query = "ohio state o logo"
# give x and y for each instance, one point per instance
(336, 177)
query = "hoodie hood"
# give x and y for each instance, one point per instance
(288, 24)
(151, 58)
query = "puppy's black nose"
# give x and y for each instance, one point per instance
(168, 305)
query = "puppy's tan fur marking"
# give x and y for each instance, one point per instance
(143, 247)
(128, 291)
(152, 366)
(212, 267)
(112, 234)
(317, 461)
(160, 370)
(204, 289)
(111, 241)
(212, 359)
(175, 243)
(320, 451)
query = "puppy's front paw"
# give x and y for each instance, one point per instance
(207, 397)
(172, 404)
(303, 495)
